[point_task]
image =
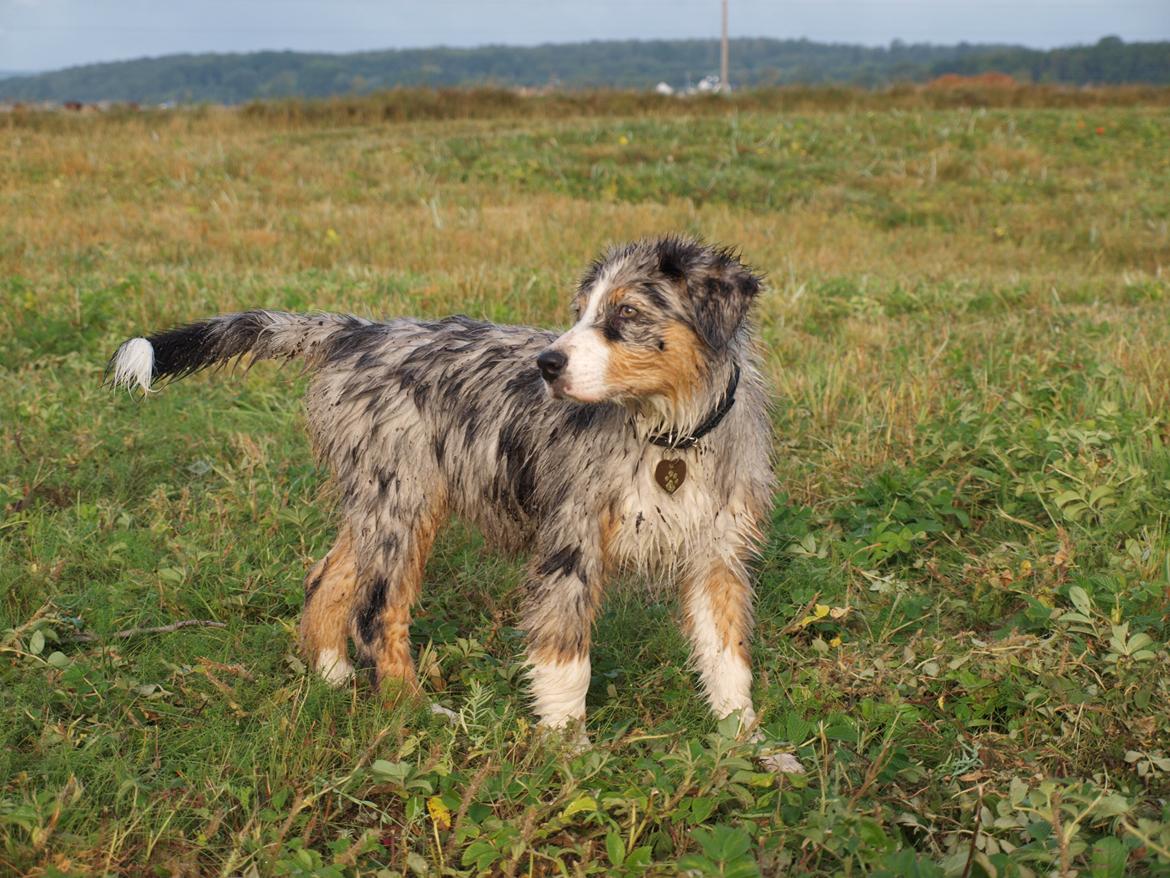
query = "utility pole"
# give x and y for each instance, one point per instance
(724, 82)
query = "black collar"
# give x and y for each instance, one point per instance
(672, 440)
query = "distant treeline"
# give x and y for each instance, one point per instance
(239, 78)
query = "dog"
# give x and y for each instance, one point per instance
(639, 440)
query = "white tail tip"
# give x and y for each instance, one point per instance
(134, 364)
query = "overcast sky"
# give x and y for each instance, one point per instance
(48, 34)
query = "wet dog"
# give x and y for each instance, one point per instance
(638, 440)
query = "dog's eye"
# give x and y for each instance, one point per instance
(627, 311)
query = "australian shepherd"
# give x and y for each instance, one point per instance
(636, 441)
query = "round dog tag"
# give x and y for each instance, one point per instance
(670, 474)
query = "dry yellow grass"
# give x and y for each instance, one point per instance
(215, 211)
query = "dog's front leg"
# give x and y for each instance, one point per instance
(563, 594)
(717, 607)
(717, 603)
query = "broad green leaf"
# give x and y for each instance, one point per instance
(1113, 805)
(639, 857)
(1138, 641)
(701, 808)
(581, 803)
(615, 847)
(1109, 858)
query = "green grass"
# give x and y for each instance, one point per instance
(964, 600)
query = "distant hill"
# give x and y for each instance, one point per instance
(235, 78)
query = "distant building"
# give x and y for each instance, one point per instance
(708, 84)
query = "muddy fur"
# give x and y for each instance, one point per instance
(421, 420)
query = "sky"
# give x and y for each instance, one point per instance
(50, 34)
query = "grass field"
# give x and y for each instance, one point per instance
(964, 602)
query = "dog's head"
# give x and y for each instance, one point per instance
(653, 318)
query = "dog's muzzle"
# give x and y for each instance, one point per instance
(551, 364)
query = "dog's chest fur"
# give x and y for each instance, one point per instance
(661, 533)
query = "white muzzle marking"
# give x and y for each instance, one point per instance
(584, 378)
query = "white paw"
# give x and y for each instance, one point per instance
(333, 667)
(782, 763)
(447, 713)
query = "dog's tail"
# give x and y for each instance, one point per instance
(262, 334)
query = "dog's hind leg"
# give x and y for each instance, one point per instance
(390, 573)
(329, 594)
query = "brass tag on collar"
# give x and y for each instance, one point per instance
(670, 474)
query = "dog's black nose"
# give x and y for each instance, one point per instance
(552, 364)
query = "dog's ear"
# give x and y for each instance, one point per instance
(675, 259)
(721, 294)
